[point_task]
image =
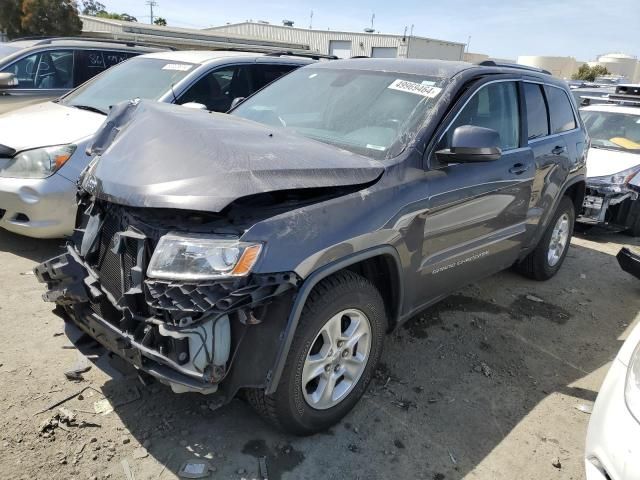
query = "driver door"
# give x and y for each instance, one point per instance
(477, 215)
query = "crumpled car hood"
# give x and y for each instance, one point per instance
(166, 156)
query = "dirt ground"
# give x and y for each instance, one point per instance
(484, 385)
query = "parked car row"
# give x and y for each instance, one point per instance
(271, 249)
(45, 144)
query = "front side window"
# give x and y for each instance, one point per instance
(613, 130)
(368, 112)
(537, 114)
(494, 106)
(43, 70)
(562, 119)
(217, 89)
(144, 78)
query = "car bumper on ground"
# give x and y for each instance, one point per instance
(613, 440)
(40, 208)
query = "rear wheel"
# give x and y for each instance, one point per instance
(333, 356)
(547, 258)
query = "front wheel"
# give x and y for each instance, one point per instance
(333, 356)
(547, 258)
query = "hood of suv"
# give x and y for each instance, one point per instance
(603, 161)
(165, 156)
(46, 124)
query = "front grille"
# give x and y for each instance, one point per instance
(110, 265)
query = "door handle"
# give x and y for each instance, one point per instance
(518, 169)
(558, 150)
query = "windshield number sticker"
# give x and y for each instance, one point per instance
(181, 67)
(416, 88)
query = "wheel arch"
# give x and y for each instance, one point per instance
(381, 265)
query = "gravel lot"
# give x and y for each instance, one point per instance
(484, 385)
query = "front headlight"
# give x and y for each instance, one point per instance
(201, 257)
(37, 163)
(632, 384)
(620, 178)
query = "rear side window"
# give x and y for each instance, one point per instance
(562, 118)
(89, 63)
(264, 74)
(537, 114)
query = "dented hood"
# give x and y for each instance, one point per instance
(165, 156)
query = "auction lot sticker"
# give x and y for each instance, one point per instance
(417, 88)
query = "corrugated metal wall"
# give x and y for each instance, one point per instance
(361, 43)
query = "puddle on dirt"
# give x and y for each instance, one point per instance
(521, 308)
(282, 459)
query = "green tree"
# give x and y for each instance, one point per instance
(92, 7)
(50, 17)
(19, 18)
(585, 72)
(10, 17)
(117, 16)
(160, 21)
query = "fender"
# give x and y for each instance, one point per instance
(273, 377)
(545, 222)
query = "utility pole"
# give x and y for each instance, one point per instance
(151, 3)
(468, 42)
(373, 17)
(311, 20)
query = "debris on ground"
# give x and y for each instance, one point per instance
(64, 419)
(195, 468)
(452, 458)
(483, 368)
(140, 452)
(126, 468)
(404, 404)
(533, 298)
(103, 406)
(584, 408)
(556, 463)
(262, 470)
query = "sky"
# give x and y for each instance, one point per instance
(582, 29)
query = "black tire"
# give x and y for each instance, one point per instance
(287, 407)
(536, 264)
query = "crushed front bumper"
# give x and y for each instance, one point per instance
(629, 262)
(74, 286)
(609, 206)
(40, 208)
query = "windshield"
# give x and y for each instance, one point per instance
(6, 50)
(362, 111)
(612, 130)
(144, 78)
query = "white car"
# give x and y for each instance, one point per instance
(612, 449)
(43, 147)
(613, 162)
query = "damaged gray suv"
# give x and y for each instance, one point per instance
(269, 251)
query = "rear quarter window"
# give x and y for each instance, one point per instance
(562, 118)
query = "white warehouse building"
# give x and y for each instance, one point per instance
(348, 44)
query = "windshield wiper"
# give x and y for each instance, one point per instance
(89, 108)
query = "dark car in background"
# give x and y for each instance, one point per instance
(36, 70)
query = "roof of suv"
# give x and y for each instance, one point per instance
(436, 68)
(83, 42)
(206, 56)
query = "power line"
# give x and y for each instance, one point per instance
(151, 3)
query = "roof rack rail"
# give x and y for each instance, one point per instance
(493, 63)
(129, 43)
(314, 56)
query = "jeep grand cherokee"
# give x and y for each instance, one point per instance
(271, 250)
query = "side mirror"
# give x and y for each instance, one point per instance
(195, 106)
(236, 102)
(8, 80)
(472, 144)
